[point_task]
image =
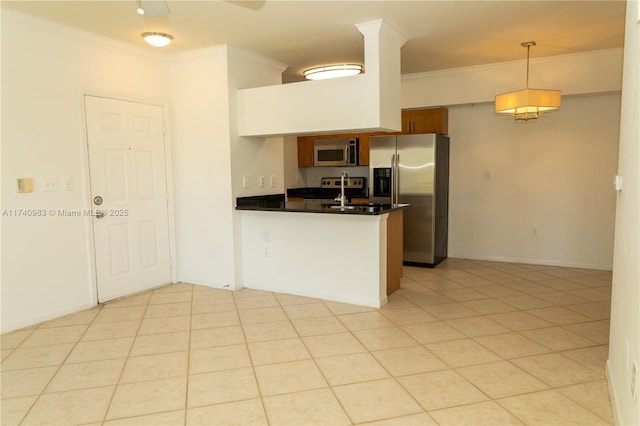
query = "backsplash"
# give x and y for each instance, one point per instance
(313, 175)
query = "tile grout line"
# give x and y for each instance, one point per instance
(188, 372)
(253, 366)
(124, 366)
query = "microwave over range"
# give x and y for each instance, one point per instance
(336, 152)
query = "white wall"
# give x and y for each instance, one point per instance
(297, 242)
(251, 157)
(554, 174)
(202, 167)
(293, 177)
(581, 73)
(624, 340)
(46, 269)
(210, 160)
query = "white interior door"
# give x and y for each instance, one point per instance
(129, 196)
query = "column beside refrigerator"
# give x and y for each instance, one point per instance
(414, 169)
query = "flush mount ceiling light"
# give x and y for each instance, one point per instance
(527, 104)
(157, 39)
(332, 71)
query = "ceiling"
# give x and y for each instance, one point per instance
(306, 33)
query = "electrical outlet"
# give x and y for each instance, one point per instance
(534, 231)
(273, 181)
(261, 181)
(68, 184)
(487, 175)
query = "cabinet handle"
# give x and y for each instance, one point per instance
(312, 159)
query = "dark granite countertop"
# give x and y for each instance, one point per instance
(325, 193)
(277, 203)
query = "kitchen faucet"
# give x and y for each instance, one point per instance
(341, 197)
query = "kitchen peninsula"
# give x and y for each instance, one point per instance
(351, 254)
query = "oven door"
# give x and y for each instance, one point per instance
(330, 153)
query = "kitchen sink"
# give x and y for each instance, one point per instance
(365, 208)
(343, 208)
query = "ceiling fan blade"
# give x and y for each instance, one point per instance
(155, 8)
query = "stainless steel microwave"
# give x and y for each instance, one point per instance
(336, 152)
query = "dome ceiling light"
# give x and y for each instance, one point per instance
(157, 39)
(332, 71)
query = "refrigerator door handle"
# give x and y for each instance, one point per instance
(393, 177)
(397, 180)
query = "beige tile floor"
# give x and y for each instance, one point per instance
(466, 343)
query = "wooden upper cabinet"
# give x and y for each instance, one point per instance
(305, 151)
(428, 120)
(364, 149)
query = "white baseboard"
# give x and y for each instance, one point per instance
(544, 262)
(209, 284)
(371, 303)
(28, 322)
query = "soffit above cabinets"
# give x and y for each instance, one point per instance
(364, 102)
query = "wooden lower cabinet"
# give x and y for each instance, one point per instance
(359, 200)
(394, 251)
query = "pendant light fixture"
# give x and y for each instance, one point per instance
(332, 71)
(527, 104)
(157, 39)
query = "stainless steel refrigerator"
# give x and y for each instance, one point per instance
(414, 169)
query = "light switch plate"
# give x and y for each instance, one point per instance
(617, 183)
(50, 185)
(245, 181)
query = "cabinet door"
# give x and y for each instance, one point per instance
(305, 151)
(429, 120)
(406, 121)
(432, 120)
(364, 149)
